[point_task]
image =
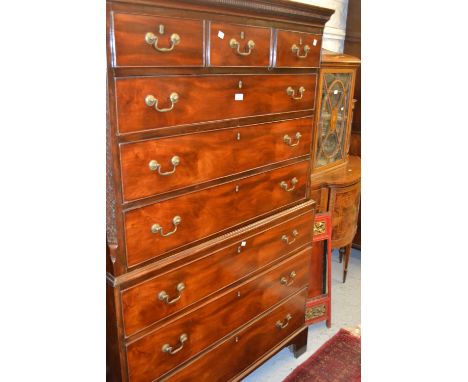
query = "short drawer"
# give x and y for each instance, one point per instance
(297, 49)
(239, 45)
(157, 166)
(157, 41)
(150, 356)
(156, 102)
(159, 297)
(155, 229)
(242, 349)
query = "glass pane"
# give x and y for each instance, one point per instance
(333, 118)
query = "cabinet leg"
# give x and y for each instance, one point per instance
(341, 252)
(346, 261)
(299, 344)
(328, 322)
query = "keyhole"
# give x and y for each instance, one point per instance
(242, 35)
(161, 29)
(237, 188)
(238, 294)
(240, 84)
(237, 339)
(238, 136)
(300, 40)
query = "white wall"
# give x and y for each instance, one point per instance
(335, 29)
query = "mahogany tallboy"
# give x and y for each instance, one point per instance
(212, 108)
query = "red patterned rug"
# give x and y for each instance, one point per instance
(337, 360)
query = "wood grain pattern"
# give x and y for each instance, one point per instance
(131, 48)
(316, 274)
(203, 156)
(236, 307)
(208, 211)
(245, 347)
(208, 98)
(222, 54)
(344, 205)
(211, 273)
(285, 57)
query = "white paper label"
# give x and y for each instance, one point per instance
(314, 43)
(243, 244)
(221, 34)
(335, 92)
(239, 97)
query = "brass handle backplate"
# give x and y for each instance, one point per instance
(288, 140)
(284, 323)
(285, 238)
(152, 101)
(163, 296)
(284, 185)
(284, 280)
(155, 166)
(292, 93)
(236, 44)
(296, 49)
(166, 348)
(152, 40)
(156, 228)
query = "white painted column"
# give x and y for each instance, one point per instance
(335, 28)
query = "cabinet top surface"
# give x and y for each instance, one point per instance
(329, 57)
(343, 175)
(286, 9)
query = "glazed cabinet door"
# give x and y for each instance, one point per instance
(333, 123)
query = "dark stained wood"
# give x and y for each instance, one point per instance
(247, 346)
(203, 156)
(210, 210)
(239, 305)
(209, 274)
(222, 54)
(208, 98)
(285, 57)
(131, 48)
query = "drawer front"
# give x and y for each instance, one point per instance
(147, 360)
(150, 103)
(241, 350)
(239, 45)
(157, 166)
(139, 41)
(141, 303)
(155, 229)
(296, 49)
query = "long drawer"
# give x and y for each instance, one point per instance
(155, 353)
(156, 102)
(166, 294)
(161, 165)
(153, 230)
(242, 349)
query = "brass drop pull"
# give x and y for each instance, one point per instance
(296, 49)
(285, 238)
(236, 44)
(170, 350)
(292, 93)
(152, 101)
(283, 324)
(156, 228)
(284, 185)
(292, 276)
(155, 166)
(288, 140)
(152, 39)
(163, 296)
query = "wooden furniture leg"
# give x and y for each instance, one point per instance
(346, 260)
(299, 345)
(341, 252)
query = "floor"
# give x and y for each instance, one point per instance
(346, 313)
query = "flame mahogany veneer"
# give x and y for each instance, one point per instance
(211, 108)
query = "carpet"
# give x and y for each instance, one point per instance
(337, 360)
